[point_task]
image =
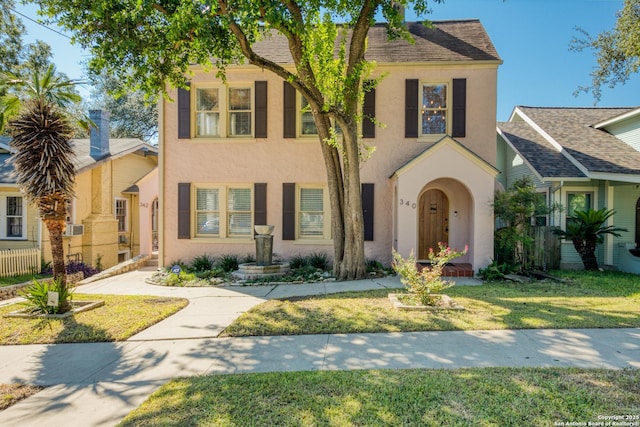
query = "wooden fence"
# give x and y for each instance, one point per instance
(14, 262)
(546, 252)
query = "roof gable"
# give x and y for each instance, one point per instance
(571, 132)
(446, 141)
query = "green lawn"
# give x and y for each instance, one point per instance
(120, 318)
(15, 280)
(420, 397)
(589, 300)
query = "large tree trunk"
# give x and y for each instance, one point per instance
(353, 264)
(53, 212)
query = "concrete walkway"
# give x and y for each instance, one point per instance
(99, 384)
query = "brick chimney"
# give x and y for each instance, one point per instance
(99, 134)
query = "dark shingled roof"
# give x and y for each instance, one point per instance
(117, 148)
(463, 40)
(572, 128)
(541, 155)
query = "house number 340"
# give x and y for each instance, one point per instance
(404, 202)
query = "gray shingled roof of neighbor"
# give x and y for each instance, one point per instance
(83, 160)
(539, 153)
(446, 41)
(595, 149)
(117, 148)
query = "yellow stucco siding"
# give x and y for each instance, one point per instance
(96, 192)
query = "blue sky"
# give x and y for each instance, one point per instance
(532, 38)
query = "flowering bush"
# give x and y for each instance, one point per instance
(428, 281)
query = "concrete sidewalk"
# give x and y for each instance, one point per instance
(98, 384)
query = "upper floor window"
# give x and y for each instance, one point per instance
(434, 109)
(307, 122)
(223, 211)
(121, 211)
(223, 112)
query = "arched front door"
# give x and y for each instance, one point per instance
(434, 221)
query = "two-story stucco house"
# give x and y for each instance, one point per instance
(243, 152)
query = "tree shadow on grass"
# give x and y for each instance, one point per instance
(491, 396)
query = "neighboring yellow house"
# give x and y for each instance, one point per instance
(103, 224)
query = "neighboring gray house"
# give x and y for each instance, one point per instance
(581, 158)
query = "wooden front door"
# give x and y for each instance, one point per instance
(434, 221)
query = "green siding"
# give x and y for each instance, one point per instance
(625, 197)
(628, 131)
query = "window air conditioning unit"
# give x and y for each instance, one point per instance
(74, 230)
(122, 239)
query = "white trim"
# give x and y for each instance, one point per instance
(609, 193)
(619, 118)
(3, 216)
(223, 213)
(429, 137)
(553, 142)
(224, 112)
(326, 214)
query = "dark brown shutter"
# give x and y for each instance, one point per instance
(367, 211)
(260, 204)
(411, 109)
(289, 112)
(369, 112)
(184, 113)
(184, 210)
(459, 108)
(261, 109)
(288, 211)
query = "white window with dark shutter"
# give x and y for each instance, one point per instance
(223, 111)
(223, 211)
(313, 213)
(207, 112)
(207, 212)
(434, 109)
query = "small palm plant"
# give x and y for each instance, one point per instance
(40, 133)
(586, 229)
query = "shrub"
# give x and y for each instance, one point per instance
(180, 279)
(319, 260)
(298, 261)
(428, 281)
(202, 263)
(73, 267)
(228, 263)
(37, 297)
(247, 259)
(494, 271)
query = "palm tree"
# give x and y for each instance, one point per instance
(40, 133)
(586, 229)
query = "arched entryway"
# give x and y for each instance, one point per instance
(433, 224)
